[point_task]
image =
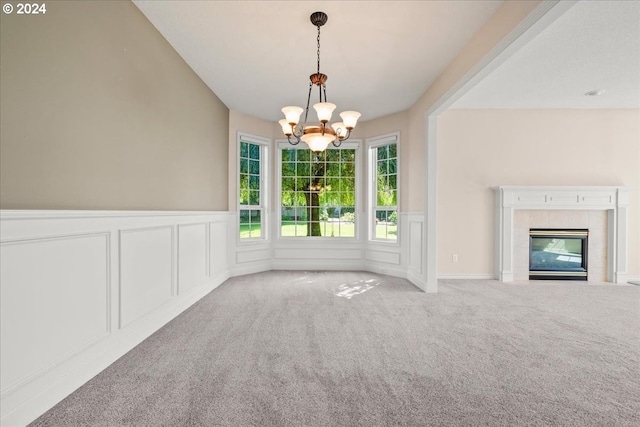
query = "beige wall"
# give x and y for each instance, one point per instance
(242, 123)
(99, 112)
(478, 149)
(506, 18)
(398, 122)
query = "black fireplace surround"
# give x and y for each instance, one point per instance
(558, 254)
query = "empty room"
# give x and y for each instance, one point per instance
(320, 213)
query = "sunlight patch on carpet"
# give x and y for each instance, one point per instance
(350, 290)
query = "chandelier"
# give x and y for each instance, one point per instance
(318, 136)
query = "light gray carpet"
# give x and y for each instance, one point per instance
(360, 349)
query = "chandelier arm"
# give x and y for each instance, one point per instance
(296, 142)
(297, 131)
(339, 139)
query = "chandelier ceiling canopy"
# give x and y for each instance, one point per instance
(318, 135)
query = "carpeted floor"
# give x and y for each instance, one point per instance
(287, 348)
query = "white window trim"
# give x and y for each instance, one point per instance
(264, 144)
(351, 144)
(372, 167)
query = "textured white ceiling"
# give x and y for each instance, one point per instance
(593, 45)
(257, 56)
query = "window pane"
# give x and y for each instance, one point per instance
(245, 227)
(249, 190)
(328, 182)
(386, 225)
(386, 196)
(254, 182)
(348, 184)
(382, 167)
(303, 155)
(348, 155)
(393, 151)
(333, 169)
(392, 166)
(254, 198)
(254, 151)
(254, 167)
(303, 169)
(392, 182)
(288, 184)
(288, 155)
(244, 179)
(321, 157)
(347, 170)
(382, 153)
(300, 229)
(288, 169)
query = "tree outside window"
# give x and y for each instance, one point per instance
(318, 196)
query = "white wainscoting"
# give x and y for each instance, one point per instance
(415, 236)
(146, 271)
(193, 247)
(81, 288)
(401, 259)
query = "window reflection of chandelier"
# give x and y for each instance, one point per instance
(318, 136)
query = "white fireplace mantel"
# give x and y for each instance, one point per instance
(615, 200)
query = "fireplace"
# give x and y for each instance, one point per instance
(558, 254)
(608, 245)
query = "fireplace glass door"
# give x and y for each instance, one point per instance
(558, 254)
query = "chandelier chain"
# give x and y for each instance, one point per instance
(317, 136)
(318, 49)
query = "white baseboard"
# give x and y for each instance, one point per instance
(418, 280)
(250, 268)
(466, 277)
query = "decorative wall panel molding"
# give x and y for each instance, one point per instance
(146, 271)
(43, 279)
(193, 256)
(81, 288)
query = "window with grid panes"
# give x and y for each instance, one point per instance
(318, 192)
(250, 197)
(385, 211)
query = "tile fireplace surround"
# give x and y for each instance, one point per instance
(562, 207)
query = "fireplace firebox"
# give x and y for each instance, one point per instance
(558, 254)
